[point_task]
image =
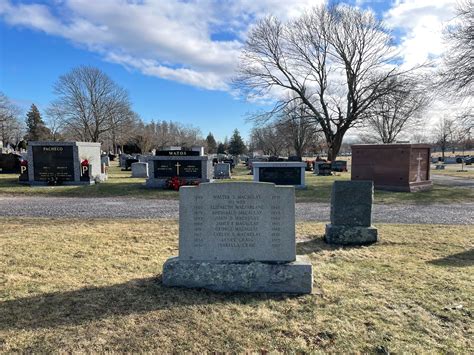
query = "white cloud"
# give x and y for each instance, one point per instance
(421, 23)
(169, 39)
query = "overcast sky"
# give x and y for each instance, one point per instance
(176, 58)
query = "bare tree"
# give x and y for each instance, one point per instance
(458, 72)
(337, 60)
(90, 104)
(443, 133)
(400, 110)
(11, 128)
(269, 139)
(144, 137)
(462, 131)
(54, 121)
(160, 134)
(295, 125)
(419, 137)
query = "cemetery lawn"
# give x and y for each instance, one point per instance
(94, 286)
(120, 184)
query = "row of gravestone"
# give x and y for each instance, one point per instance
(141, 170)
(240, 237)
(397, 167)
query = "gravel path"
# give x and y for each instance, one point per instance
(148, 208)
(452, 181)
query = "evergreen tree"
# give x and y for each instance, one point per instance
(221, 148)
(211, 144)
(236, 144)
(36, 128)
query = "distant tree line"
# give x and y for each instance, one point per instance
(90, 106)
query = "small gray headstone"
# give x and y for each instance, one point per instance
(351, 203)
(104, 159)
(222, 171)
(351, 213)
(140, 170)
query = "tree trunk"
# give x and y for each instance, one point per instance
(334, 145)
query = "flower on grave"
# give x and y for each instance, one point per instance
(85, 162)
(175, 183)
(23, 162)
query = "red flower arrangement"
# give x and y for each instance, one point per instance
(175, 183)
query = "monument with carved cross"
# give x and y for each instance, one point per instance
(393, 167)
(189, 165)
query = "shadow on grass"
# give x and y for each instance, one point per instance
(317, 245)
(463, 259)
(137, 296)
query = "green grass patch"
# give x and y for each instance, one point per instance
(94, 286)
(456, 171)
(121, 184)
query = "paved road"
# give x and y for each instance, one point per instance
(149, 208)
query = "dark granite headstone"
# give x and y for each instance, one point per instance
(281, 175)
(351, 214)
(10, 163)
(231, 162)
(177, 168)
(339, 165)
(129, 162)
(323, 169)
(53, 164)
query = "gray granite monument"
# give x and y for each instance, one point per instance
(222, 171)
(238, 237)
(140, 170)
(351, 214)
(104, 159)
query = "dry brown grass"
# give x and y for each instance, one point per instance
(94, 286)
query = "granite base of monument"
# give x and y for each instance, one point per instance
(295, 277)
(350, 235)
